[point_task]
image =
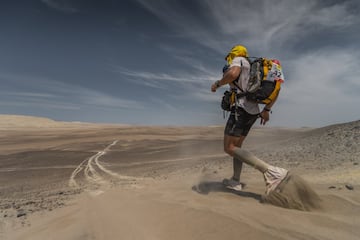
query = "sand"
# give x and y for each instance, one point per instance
(84, 181)
(294, 193)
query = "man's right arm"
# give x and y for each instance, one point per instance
(229, 76)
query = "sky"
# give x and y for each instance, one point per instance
(149, 62)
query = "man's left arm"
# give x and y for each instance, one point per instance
(265, 113)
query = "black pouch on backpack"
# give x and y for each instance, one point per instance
(267, 87)
(226, 101)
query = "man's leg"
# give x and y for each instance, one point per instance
(249, 159)
(273, 175)
(236, 130)
(237, 167)
(234, 135)
(229, 142)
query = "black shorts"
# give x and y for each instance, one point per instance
(240, 126)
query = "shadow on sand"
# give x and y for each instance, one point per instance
(206, 187)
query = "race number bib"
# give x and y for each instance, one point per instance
(275, 74)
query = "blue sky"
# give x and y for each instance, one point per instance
(152, 62)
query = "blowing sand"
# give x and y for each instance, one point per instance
(294, 193)
(83, 181)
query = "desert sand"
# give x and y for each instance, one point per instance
(63, 180)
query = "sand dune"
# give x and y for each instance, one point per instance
(124, 182)
(19, 122)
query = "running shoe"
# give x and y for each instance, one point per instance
(232, 184)
(273, 177)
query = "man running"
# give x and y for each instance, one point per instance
(243, 115)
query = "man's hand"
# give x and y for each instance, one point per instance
(214, 87)
(265, 116)
(229, 76)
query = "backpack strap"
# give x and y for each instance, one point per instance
(236, 85)
(235, 82)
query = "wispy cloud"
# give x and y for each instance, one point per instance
(99, 99)
(323, 89)
(338, 15)
(160, 80)
(31, 103)
(183, 85)
(319, 76)
(29, 94)
(201, 95)
(325, 74)
(260, 26)
(185, 23)
(163, 104)
(60, 5)
(196, 66)
(24, 90)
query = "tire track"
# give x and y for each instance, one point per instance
(94, 172)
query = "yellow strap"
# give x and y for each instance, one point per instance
(267, 67)
(273, 94)
(232, 98)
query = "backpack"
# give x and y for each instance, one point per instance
(264, 83)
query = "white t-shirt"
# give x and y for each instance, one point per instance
(248, 106)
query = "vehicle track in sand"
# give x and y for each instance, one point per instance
(96, 176)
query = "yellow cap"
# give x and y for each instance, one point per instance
(236, 51)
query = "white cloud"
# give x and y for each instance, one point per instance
(195, 64)
(165, 77)
(322, 86)
(182, 21)
(163, 104)
(182, 85)
(325, 74)
(259, 25)
(99, 99)
(22, 90)
(37, 104)
(60, 5)
(334, 16)
(323, 89)
(205, 95)
(29, 94)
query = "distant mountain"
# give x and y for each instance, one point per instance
(20, 121)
